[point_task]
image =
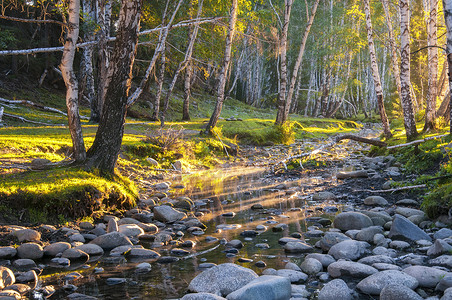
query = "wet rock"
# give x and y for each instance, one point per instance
(249, 233)
(111, 240)
(399, 292)
(257, 206)
(121, 250)
(375, 283)
(211, 239)
(349, 249)
(29, 276)
(352, 174)
(438, 248)
(167, 214)
(244, 260)
(262, 246)
(188, 244)
(141, 253)
(313, 233)
(78, 296)
(202, 296)
(330, 239)
(370, 260)
(222, 279)
(260, 264)
(179, 252)
(298, 247)
(261, 227)
(30, 250)
(143, 268)
(77, 237)
(91, 249)
(184, 203)
(427, 277)
(311, 266)
(75, 254)
(27, 235)
(115, 281)
(344, 268)
(402, 228)
(24, 264)
(112, 225)
(263, 287)
(130, 230)
(162, 186)
(336, 289)
(323, 196)
(9, 295)
(280, 227)
(285, 240)
(294, 276)
(167, 259)
(376, 201)
(234, 244)
(229, 214)
(60, 262)
(20, 288)
(324, 259)
(6, 277)
(7, 252)
(352, 220)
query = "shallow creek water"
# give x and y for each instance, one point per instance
(228, 190)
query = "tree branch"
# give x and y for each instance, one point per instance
(374, 142)
(32, 20)
(30, 121)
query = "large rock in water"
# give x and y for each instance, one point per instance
(352, 220)
(349, 249)
(375, 283)
(336, 289)
(167, 214)
(222, 279)
(111, 240)
(402, 228)
(264, 287)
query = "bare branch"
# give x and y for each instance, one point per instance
(32, 20)
(30, 121)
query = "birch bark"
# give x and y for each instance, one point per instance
(430, 108)
(447, 6)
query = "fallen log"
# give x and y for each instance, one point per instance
(374, 142)
(30, 121)
(417, 142)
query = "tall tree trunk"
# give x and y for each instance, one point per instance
(104, 152)
(224, 70)
(187, 88)
(375, 72)
(160, 78)
(285, 113)
(283, 60)
(405, 79)
(67, 70)
(447, 6)
(430, 109)
(86, 63)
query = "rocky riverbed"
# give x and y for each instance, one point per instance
(328, 231)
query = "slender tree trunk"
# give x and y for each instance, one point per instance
(405, 79)
(104, 152)
(67, 69)
(187, 88)
(285, 113)
(280, 119)
(447, 6)
(375, 72)
(161, 77)
(224, 70)
(86, 64)
(430, 109)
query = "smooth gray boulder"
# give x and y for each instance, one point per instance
(345, 268)
(349, 249)
(142, 253)
(336, 289)
(443, 233)
(222, 279)
(298, 247)
(6, 277)
(376, 201)
(167, 214)
(130, 230)
(439, 247)
(27, 235)
(294, 276)
(443, 261)
(404, 229)
(55, 248)
(30, 251)
(398, 292)
(375, 283)
(202, 296)
(374, 259)
(324, 259)
(263, 287)
(91, 249)
(352, 220)
(409, 212)
(111, 240)
(311, 266)
(7, 252)
(367, 234)
(323, 196)
(427, 277)
(331, 238)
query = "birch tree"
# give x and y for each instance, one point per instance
(67, 70)
(375, 71)
(224, 69)
(405, 78)
(447, 6)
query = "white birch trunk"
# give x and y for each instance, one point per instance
(430, 108)
(447, 6)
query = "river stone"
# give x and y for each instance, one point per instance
(376, 201)
(222, 279)
(352, 220)
(344, 268)
(91, 249)
(264, 287)
(294, 276)
(111, 240)
(234, 244)
(375, 283)
(367, 234)
(336, 289)
(439, 247)
(427, 277)
(398, 292)
(6, 277)
(299, 291)
(292, 266)
(10, 295)
(142, 253)
(130, 230)
(29, 276)
(55, 248)
(323, 196)
(443, 260)
(285, 240)
(20, 288)
(404, 229)
(330, 239)
(202, 296)
(30, 250)
(112, 225)
(377, 214)
(349, 249)
(77, 237)
(75, 254)
(384, 267)
(324, 259)
(408, 212)
(167, 214)
(262, 246)
(60, 262)
(78, 296)
(374, 259)
(352, 174)
(399, 245)
(444, 283)
(311, 266)
(298, 247)
(162, 186)
(27, 235)
(7, 252)
(24, 264)
(407, 202)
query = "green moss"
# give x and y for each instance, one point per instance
(438, 201)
